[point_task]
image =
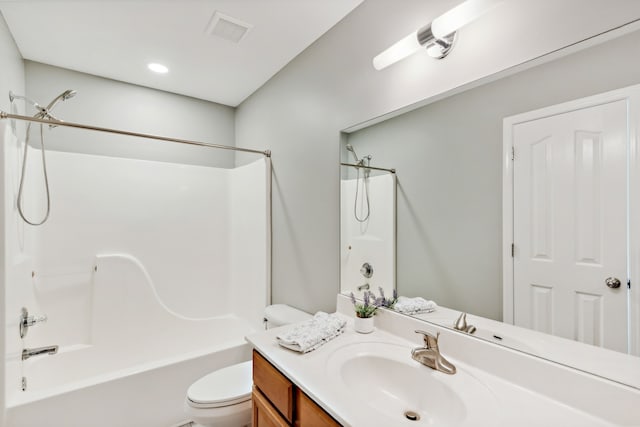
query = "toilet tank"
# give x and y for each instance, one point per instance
(282, 314)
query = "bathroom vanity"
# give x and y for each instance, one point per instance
(371, 380)
(279, 402)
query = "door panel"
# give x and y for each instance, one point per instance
(570, 224)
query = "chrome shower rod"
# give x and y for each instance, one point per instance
(355, 165)
(4, 115)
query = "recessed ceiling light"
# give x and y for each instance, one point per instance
(158, 68)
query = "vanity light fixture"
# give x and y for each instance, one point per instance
(438, 37)
(158, 68)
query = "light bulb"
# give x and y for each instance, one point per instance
(456, 18)
(400, 50)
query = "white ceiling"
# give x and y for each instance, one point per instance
(116, 39)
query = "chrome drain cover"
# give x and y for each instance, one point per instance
(412, 416)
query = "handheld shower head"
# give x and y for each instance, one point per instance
(353, 151)
(70, 93)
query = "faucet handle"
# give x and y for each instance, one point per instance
(26, 321)
(429, 340)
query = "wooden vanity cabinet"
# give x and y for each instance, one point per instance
(277, 402)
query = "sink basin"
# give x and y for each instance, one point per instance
(384, 378)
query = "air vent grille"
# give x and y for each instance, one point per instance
(227, 27)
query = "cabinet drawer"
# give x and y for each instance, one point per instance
(309, 414)
(275, 386)
(264, 415)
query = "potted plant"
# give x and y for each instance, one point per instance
(365, 311)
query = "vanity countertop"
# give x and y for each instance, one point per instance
(512, 403)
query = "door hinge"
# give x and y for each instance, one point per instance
(513, 153)
(629, 284)
(513, 250)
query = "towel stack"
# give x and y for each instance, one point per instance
(415, 305)
(311, 334)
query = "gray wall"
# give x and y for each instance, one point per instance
(113, 104)
(11, 78)
(332, 86)
(448, 160)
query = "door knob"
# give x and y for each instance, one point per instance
(612, 282)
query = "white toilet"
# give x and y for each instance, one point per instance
(223, 397)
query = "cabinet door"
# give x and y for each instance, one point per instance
(265, 415)
(309, 414)
(274, 386)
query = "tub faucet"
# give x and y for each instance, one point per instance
(363, 287)
(430, 356)
(30, 352)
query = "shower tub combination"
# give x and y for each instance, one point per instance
(150, 273)
(367, 232)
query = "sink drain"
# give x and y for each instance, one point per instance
(410, 415)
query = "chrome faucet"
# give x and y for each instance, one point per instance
(30, 352)
(430, 356)
(461, 324)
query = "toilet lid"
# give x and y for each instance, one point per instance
(224, 387)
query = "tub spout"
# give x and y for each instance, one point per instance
(30, 352)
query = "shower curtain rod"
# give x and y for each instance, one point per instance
(355, 165)
(5, 115)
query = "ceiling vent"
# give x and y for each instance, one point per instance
(228, 28)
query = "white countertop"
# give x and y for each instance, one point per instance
(515, 404)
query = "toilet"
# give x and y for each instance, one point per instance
(223, 397)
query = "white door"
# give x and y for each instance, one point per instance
(570, 224)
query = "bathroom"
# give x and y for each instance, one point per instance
(303, 105)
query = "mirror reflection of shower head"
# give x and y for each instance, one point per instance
(353, 151)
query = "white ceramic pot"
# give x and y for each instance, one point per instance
(363, 325)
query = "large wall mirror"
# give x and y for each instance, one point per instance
(449, 160)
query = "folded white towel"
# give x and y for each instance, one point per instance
(313, 333)
(415, 305)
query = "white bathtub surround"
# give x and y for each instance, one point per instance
(313, 333)
(516, 388)
(372, 241)
(149, 272)
(415, 305)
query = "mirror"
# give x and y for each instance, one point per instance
(367, 227)
(449, 160)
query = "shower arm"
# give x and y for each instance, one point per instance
(56, 122)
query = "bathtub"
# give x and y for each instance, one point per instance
(137, 365)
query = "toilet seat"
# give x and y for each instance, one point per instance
(224, 387)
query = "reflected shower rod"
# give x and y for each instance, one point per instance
(5, 115)
(355, 165)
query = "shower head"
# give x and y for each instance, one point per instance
(13, 97)
(353, 151)
(62, 97)
(68, 94)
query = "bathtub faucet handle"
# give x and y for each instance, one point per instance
(27, 321)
